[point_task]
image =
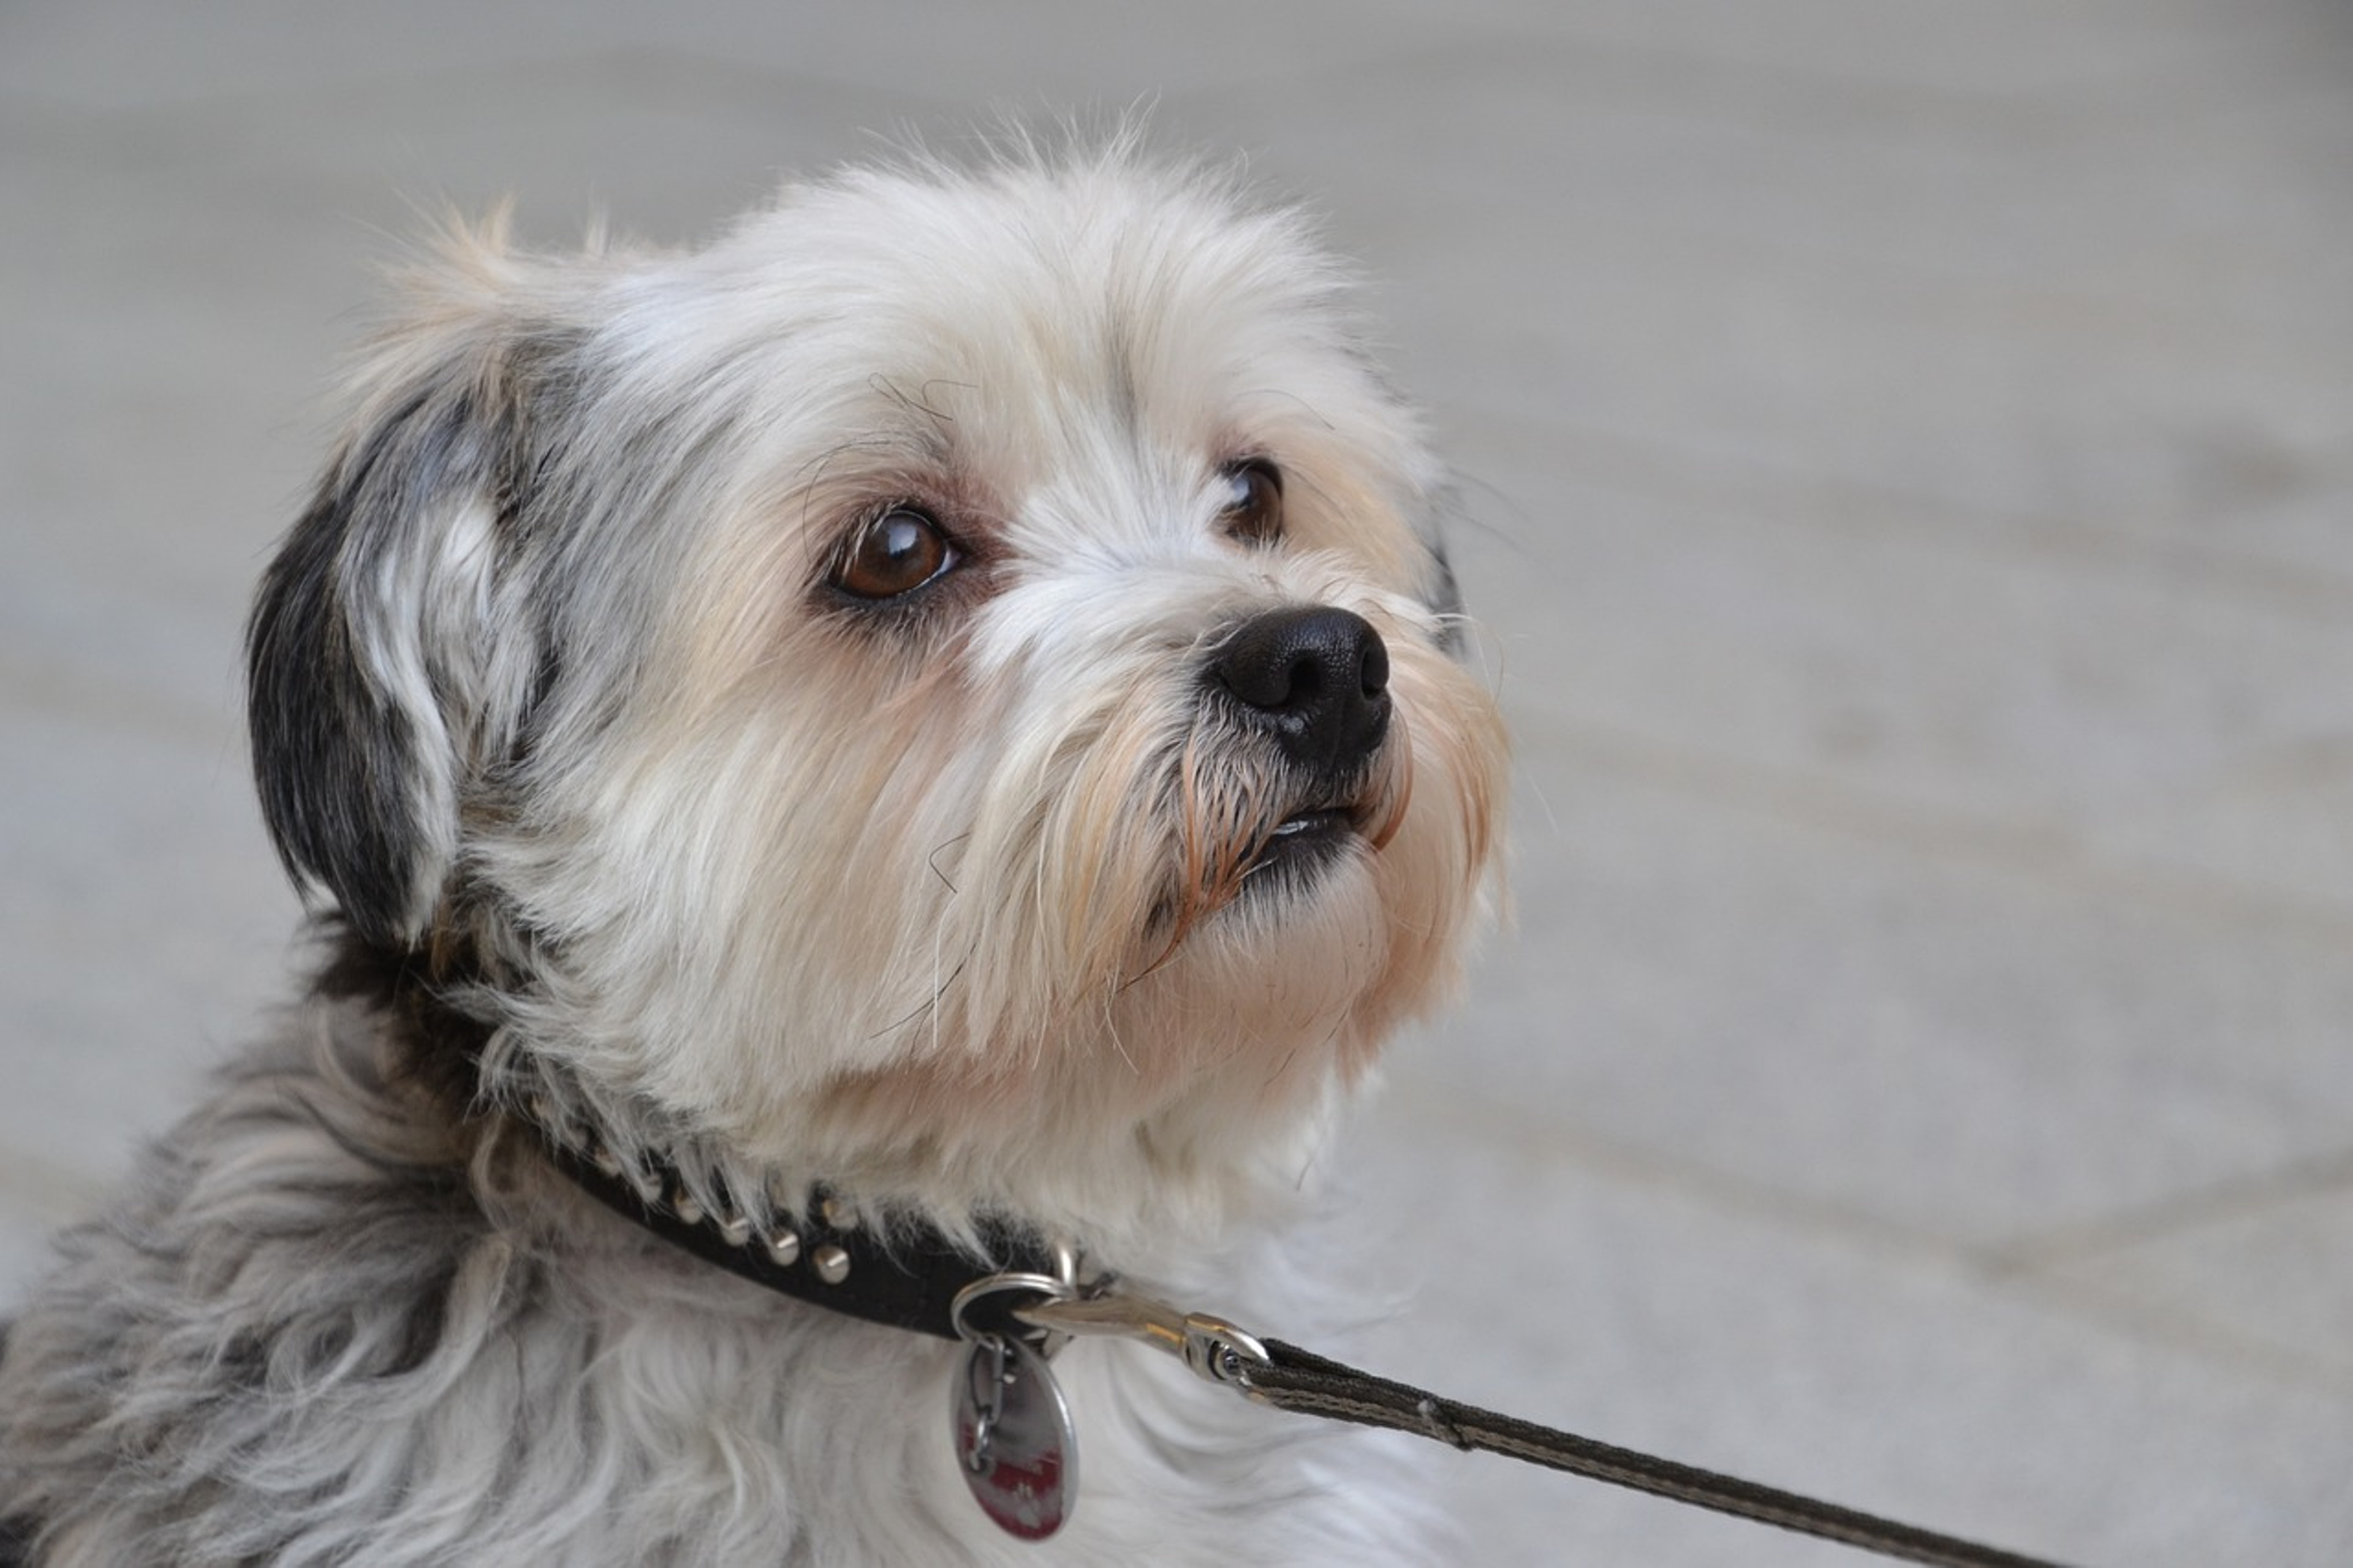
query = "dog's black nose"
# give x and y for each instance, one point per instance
(1314, 678)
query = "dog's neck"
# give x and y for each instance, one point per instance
(894, 1268)
(453, 1044)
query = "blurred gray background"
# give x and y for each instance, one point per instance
(1909, 464)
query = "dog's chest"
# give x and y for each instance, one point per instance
(773, 1432)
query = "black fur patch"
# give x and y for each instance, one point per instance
(335, 761)
(441, 1046)
(340, 761)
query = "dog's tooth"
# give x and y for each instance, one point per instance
(784, 1247)
(831, 1263)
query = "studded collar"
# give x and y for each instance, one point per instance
(910, 1281)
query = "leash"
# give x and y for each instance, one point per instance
(1012, 1429)
(1292, 1379)
(1287, 1378)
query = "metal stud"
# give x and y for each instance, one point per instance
(733, 1229)
(682, 1204)
(838, 1216)
(604, 1158)
(831, 1263)
(784, 1247)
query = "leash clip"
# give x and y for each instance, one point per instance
(1214, 1349)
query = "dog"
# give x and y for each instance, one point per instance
(941, 710)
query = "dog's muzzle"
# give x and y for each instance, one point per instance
(1312, 682)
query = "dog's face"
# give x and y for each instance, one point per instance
(955, 676)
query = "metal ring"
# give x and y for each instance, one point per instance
(1043, 1286)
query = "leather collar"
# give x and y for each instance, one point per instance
(908, 1278)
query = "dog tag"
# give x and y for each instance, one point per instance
(1013, 1437)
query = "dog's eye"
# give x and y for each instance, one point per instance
(896, 554)
(1253, 510)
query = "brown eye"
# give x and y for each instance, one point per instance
(896, 554)
(1253, 510)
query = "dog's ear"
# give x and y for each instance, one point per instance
(1442, 593)
(381, 630)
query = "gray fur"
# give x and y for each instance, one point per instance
(329, 1325)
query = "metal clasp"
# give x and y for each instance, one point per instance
(1216, 1350)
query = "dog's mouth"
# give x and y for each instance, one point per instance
(1303, 844)
(1272, 841)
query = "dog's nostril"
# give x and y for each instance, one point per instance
(1296, 684)
(1317, 677)
(1372, 672)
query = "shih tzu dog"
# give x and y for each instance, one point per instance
(929, 731)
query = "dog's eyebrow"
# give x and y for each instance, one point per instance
(814, 470)
(1287, 395)
(943, 381)
(889, 389)
(812, 473)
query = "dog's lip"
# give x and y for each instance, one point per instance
(1307, 837)
(1317, 820)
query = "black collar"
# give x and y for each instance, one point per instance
(908, 1280)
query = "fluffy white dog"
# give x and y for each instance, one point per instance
(933, 720)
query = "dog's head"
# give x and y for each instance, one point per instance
(956, 677)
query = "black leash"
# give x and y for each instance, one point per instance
(1020, 1306)
(1293, 1379)
(1288, 1378)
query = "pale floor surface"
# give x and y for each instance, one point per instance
(1910, 495)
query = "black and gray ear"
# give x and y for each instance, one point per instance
(1443, 594)
(1440, 590)
(381, 630)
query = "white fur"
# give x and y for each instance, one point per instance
(948, 909)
